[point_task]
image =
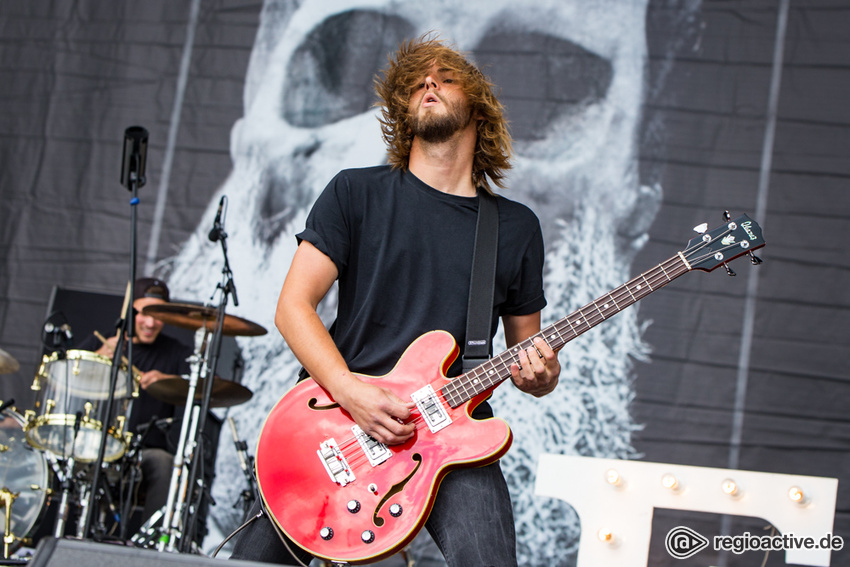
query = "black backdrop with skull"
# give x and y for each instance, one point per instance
(609, 100)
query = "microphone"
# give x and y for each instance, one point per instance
(217, 230)
(63, 329)
(66, 330)
(135, 156)
(161, 424)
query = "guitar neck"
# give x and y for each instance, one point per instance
(490, 374)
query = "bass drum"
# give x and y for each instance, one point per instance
(25, 480)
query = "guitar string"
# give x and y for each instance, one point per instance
(354, 453)
(628, 293)
(357, 457)
(589, 316)
(501, 367)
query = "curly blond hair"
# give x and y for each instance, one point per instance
(404, 73)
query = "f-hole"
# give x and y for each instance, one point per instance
(396, 488)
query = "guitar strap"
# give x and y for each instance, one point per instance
(483, 280)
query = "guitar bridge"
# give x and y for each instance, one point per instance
(432, 410)
(334, 462)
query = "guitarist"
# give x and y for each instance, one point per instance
(399, 240)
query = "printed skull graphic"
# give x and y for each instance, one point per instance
(571, 74)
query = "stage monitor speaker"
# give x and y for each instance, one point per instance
(52, 552)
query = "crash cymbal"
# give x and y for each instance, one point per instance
(8, 364)
(188, 316)
(225, 393)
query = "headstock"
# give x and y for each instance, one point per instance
(723, 244)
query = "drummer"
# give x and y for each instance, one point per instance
(157, 356)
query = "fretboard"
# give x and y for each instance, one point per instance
(490, 374)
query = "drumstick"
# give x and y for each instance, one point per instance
(123, 358)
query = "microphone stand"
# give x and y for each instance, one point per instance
(227, 287)
(132, 177)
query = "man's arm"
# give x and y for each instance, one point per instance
(540, 368)
(107, 349)
(376, 410)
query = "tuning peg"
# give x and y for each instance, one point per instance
(729, 271)
(754, 259)
(726, 216)
(701, 228)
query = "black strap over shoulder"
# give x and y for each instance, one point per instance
(480, 311)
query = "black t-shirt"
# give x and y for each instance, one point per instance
(404, 254)
(169, 356)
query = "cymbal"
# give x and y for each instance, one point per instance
(8, 364)
(188, 316)
(225, 393)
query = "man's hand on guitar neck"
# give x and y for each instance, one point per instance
(378, 411)
(538, 369)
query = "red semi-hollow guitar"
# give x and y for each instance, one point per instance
(342, 496)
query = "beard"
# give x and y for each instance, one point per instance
(435, 129)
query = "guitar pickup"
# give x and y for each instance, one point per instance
(375, 451)
(431, 408)
(334, 462)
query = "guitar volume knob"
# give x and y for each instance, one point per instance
(395, 510)
(368, 536)
(326, 533)
(353, 506)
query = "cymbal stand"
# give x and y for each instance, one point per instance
(227, 287)
(171, 520)
(192, 481)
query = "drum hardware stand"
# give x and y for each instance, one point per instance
(134, 462)
(146, 537)
(175, 527)
(132, 177)
(84, 496)
(176, 490)
(247, 463)
(8, 498)
(66, 478)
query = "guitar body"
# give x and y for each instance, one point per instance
(390, 500)
(343, 497)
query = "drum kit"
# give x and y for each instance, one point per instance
(48, 453)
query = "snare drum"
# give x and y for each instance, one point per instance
(72, 393)
(25, 478)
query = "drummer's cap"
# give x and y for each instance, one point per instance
(150, 287)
